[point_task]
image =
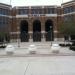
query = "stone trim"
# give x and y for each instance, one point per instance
(68, 4)
(68, 13)
(21, 16)
(51, 15)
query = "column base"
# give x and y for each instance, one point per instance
(30, 40)
(43, 40)
(13, 40)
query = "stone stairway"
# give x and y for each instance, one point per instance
(41, 47)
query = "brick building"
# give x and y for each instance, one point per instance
(37, 23)
(5, 17)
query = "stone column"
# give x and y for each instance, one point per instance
(18, 36)
(30, 36)
(43, 36)
(30, 29)
(55, 35)
(43, 31)
(55, 29)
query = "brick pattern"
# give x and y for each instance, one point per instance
(15, 20)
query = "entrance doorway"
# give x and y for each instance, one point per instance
(49, 30)
(24, 31)
(36, 31)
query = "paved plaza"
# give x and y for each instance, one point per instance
(43, 62)
(53, 65)
(41, 49)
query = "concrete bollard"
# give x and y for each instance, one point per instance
(32, 49)
(9, 49)
(55, 48)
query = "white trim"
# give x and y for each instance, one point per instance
(5, 16)
(20, 16)
(68, 4)
(18, 32)
(30, 32)
(14, 32)
(30, 7)
(51, 15)
(22, 7)
(62, 7)
(55, 31)
(10, 16)
(42, 31)
(4, 5)
(68, 13)
(55, 39)
(55, 6)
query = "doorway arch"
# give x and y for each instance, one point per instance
(37, 31)
(49, 30)
(24, 31)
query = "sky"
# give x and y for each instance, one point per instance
(33, 2)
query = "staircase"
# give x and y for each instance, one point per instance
(41, 47)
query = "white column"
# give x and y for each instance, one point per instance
(43, 36)
(30, 36)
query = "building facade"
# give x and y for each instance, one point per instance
(38, 23)
(35, 23)
(5, 20)
(68, 14)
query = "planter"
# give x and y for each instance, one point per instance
(62, 45)
(55, 48)
(72, 48)
(65, 45)
(68, 45)
(10, 49)
(2, 46)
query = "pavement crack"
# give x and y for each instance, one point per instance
(26, 69)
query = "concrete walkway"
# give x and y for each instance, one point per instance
(60, 65)
(43, 48)
(22, 52)
(43, 62)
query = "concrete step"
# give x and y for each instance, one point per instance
(39, 45)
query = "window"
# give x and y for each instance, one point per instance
(33, 11)
(51, 11)
(4, 21)
(39, 11)
(7, 12)
(0, 10)
(45, 10)
(68, 9)
(4, 11)
(0, 21)
(23, 11)
(36, 11)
